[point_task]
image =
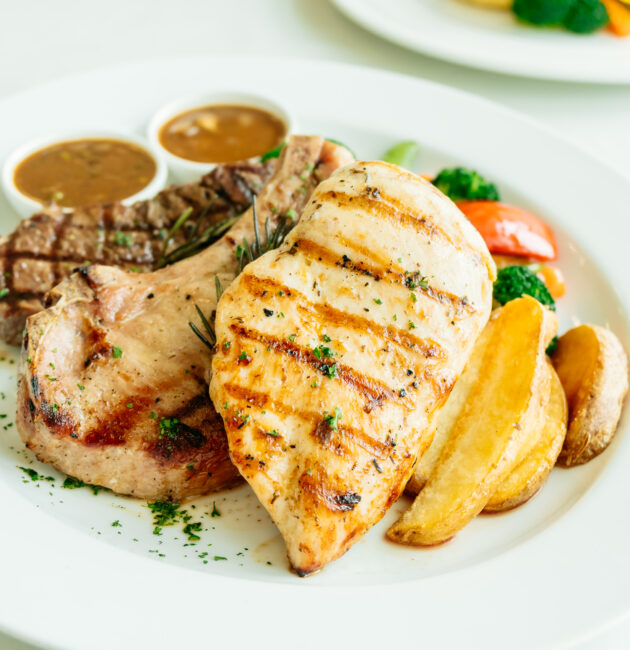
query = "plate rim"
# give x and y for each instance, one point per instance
(369, 19)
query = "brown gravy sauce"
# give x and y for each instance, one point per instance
(82, 172)
(222, 133)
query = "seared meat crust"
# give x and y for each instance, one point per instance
(112, 382)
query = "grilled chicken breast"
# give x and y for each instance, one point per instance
(112, 386)
(337, 350)
(47, 247)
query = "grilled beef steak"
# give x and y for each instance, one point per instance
(48, 246)
(112, 381)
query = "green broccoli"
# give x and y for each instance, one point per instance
(586, 16)
(516, 281)
(461, 184)
(542, 12)
(553, 346)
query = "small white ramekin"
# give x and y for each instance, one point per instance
(184, 170)
(26, 206)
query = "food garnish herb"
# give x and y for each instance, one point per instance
(332, 420)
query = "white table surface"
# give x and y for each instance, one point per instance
(43, 40)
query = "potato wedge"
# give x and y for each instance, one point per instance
(455, 403)
(494, 430)
(450, 412)
(593, 368)
(532, 472)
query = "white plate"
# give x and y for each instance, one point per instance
(552, 571)
(493, 40)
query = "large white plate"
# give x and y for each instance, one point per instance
(493, 40)
(553, 571)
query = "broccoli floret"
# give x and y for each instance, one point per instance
(542, 12)
(516, 281)
(553, 346)
(461, 184)
(586, 16)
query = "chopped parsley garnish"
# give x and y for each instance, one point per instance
(120, 239)
(116, 524)
(412, 325)
(326, 338)
(268, 312)
(117, 352)
(129, 405)
(331, 371)
(227, 344)
(215, 511)
(332, 420)
(292, 338)
(72, 483)
(378, 301)
(191, 530)
(415, 279)
(323, 350)
(414, 297)
(219, 557)
(243, 355)
(169, 427)
(153, 414)
(273, 433)
(3, 293)
(50, 378)
(55, 408)
(81, 386)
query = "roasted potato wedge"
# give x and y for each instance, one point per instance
(532, 472)
(450, 412)
(494, 430)
(455, 403)
(593, 368)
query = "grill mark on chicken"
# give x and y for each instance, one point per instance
(259, 287)
(374, 391)
(314, 251)
(384, 207)
(335, 500)
(263, 401)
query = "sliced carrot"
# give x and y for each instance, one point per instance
(508, 230)
(619, 16)
(554, 280)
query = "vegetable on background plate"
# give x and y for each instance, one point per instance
(579, 16)
(509, 230)
(619, 14)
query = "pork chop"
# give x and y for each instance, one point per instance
(337, 350)
(112, 385)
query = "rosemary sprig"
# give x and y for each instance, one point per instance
(245, 254)
(209, 339)
(195, 242)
